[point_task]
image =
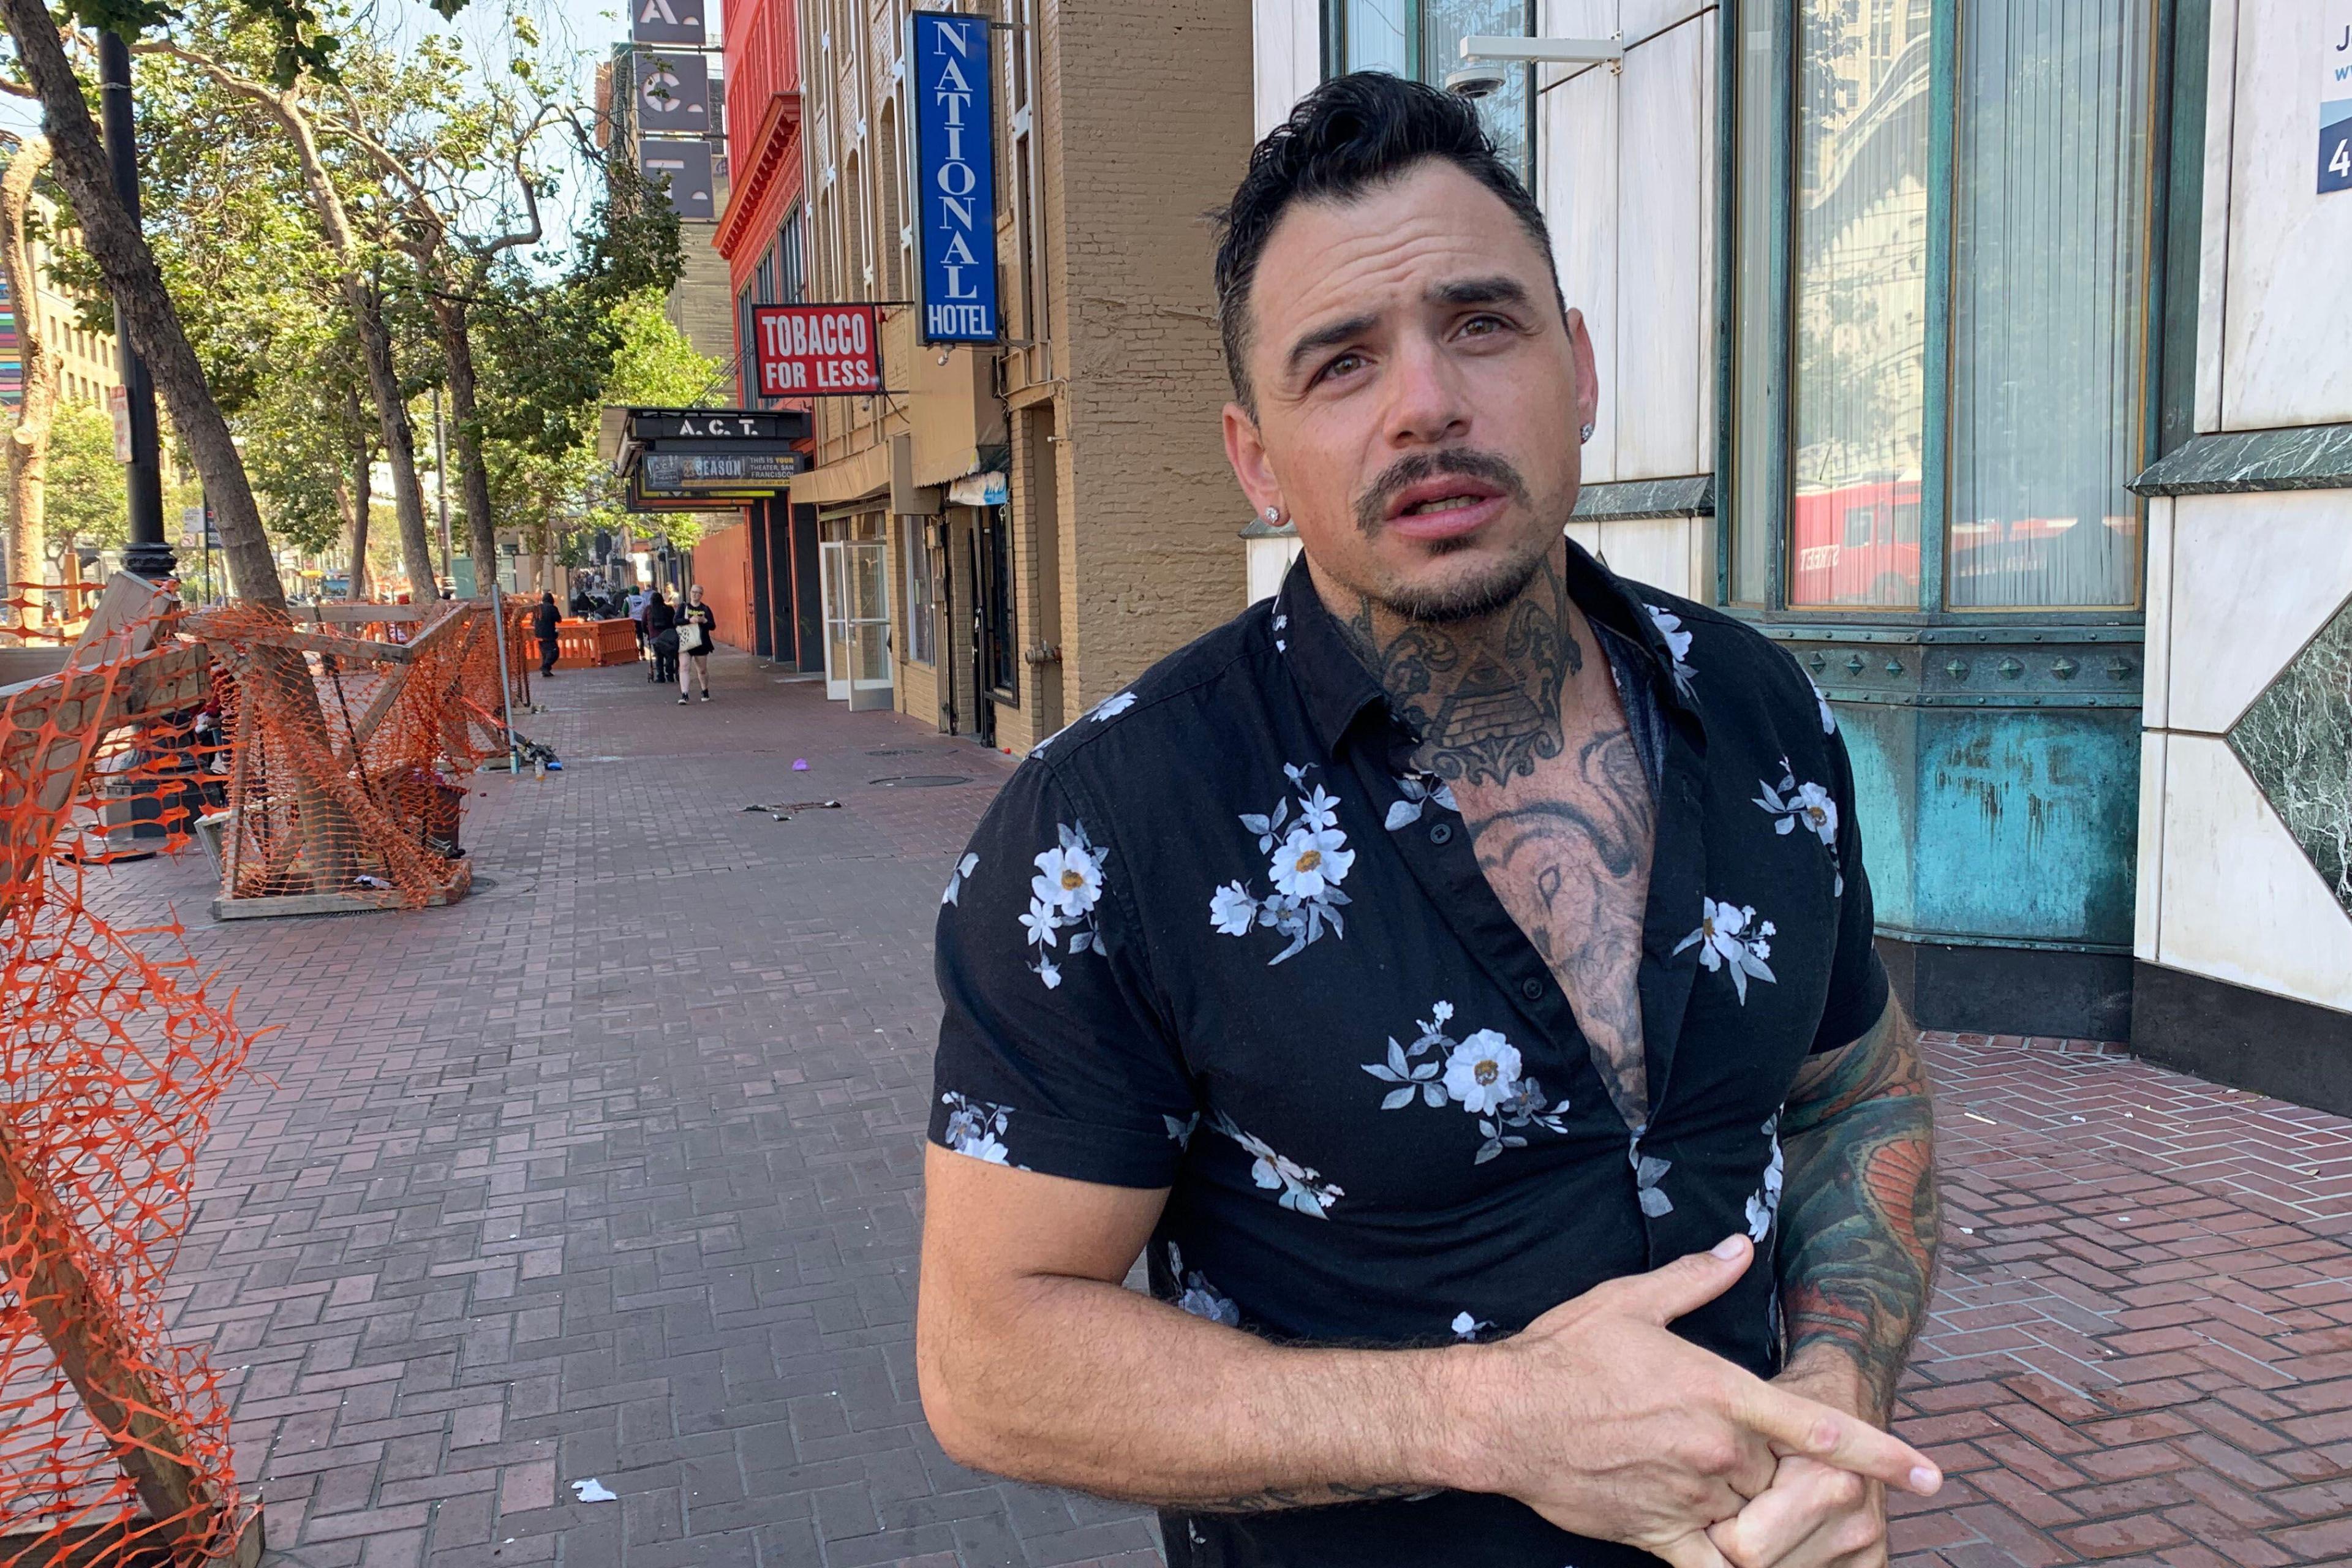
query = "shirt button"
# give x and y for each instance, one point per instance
(1531, 988)
(1440, 834)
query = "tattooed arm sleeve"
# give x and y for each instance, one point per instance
(1857, 1245)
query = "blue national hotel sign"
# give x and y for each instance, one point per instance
(955, 176)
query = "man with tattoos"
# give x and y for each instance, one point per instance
(1454, 976)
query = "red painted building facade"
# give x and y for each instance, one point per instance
(770, 558)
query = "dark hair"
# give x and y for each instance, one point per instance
(1349, 134)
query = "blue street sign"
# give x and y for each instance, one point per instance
(955, 178)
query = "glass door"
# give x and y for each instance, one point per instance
(868, 571)
(833, 587)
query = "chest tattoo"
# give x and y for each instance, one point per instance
(1562, 822)
(1567, 850)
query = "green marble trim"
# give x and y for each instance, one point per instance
(1258, 528)
(2296, 743)
(2236, 462)
(1690, 497)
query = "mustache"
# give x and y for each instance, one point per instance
(1372, 506)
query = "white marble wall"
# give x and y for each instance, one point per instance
(1676, 553)
(1626, 163)
(1288, 53)
(2276, 343)
(2237, 584)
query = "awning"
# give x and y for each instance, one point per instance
(978, 490)
(862, 473)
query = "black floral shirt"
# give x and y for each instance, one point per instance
(1218, 937)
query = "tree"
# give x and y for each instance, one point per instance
(143, 306)
(28, 443)
(89, 501)
(293, 106)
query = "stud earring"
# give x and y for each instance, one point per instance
(1274, 514)
(1585, 434)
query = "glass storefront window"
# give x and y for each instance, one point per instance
(2048, 276)
(1861, 306)
(1422, 40)
(1758, 379)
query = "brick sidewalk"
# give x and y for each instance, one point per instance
(611, 1171)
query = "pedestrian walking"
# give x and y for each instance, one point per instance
(544, 617)
(635, 607)
(1338, 966)
(661, 636)
(697, 626)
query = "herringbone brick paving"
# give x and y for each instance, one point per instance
(611, 1170)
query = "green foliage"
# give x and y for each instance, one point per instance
(89, 500)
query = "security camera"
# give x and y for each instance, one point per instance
(1476, 81)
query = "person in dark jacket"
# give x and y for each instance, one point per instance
(661, 635)
(542, 623)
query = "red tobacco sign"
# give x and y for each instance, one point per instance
(817, 350)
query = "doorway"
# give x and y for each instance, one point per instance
(853, 570)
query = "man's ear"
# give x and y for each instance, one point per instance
(1246, 450)
(1588, 374)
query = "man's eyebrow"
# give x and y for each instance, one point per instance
(1499, 289)
(1325, 337)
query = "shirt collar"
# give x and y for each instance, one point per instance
(1338, 689)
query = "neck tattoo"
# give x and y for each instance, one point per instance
(1483, 695)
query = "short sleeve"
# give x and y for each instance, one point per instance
(1858, 988)
(1052, 1055)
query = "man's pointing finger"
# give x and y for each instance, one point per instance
(1798, 1426)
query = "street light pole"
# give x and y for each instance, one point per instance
(148, 555)
(441, 491)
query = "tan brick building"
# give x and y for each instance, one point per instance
(1020, 530)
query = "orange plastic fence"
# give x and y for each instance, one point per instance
(348, 754)
(113, 1049)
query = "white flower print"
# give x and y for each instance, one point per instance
(1765, 1205)
(1678, 643)
(1421, 790)
(1310, 859)
(1069, 879)
(1061, 897)
(1304, 1189)
(1808, 805)
(1466, 1327)
(976, 1127)
(1181, 1132)
(1232, 910)
(1480, 1073)
(1197, 1296)
(1110, 708)
(1648, 1171)
(1728, 937)
(1828, 720)
(955, 882)
(1311, 862)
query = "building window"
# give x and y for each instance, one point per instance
(923, 592)
(1422, 40)
(2050, 270)
(1938, 375)
(792, 258)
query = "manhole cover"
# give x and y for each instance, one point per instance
(922, 781)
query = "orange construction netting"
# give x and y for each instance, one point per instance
(348, 748)
(114, 1446)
